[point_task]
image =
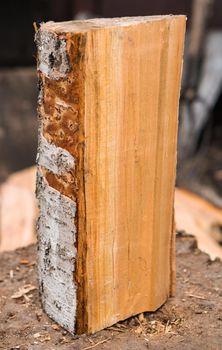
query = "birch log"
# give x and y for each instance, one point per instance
(108, 105)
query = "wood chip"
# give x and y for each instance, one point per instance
(24, 262)
(116, 329)
(96, 344)
(64, 340)
(121, 325)
(45, 338)
(139, 330)
(42, 337)
(142, 318)
(39, 315)
(23, 291)
(36, 335)
(55, 327)
(26, 298)
(196, 296)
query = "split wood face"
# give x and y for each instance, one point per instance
(108, 105)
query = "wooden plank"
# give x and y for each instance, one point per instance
(107, 153)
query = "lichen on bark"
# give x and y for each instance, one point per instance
(56, 253)
(57, 211)
(52, 55)
(55, 159)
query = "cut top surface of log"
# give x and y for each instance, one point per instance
(108, 105)
(98, 23)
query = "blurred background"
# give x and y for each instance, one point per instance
(200, 130)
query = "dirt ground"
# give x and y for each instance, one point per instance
(191, 320)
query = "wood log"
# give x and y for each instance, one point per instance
(18, 210)
(108, 107)
(196, 216)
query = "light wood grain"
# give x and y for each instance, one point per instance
(130, 130)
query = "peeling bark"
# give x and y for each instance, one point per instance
(57, 181)
(52, 55)
(55, 159)
(56, 254)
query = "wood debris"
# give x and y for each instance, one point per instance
(56, 327)
(96, 344)
(23, 291)
(196, 296)
(42, 337)
(24, 262)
